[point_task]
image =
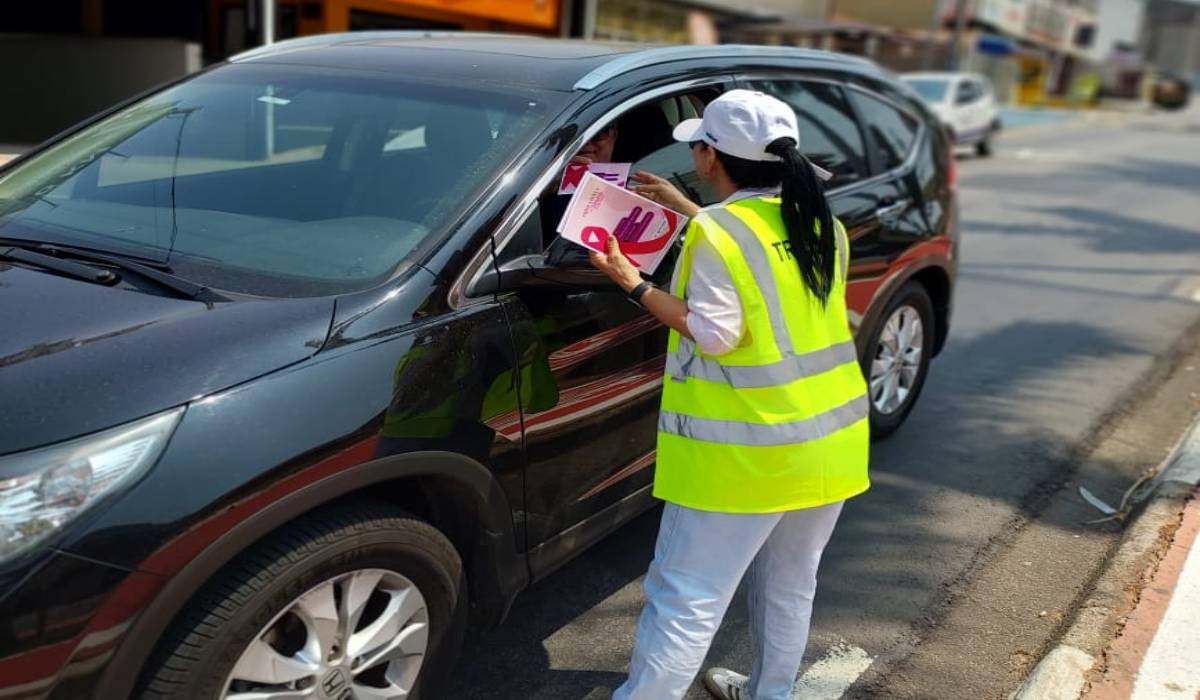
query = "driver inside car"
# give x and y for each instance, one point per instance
(560, 253)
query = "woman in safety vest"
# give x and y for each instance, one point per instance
(763, 432)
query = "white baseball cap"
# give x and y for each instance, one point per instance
(742, 123)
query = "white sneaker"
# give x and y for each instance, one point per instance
(726, 685)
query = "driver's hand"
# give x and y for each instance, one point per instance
(660, 190)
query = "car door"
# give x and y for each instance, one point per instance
(594, 393)
(968, 99)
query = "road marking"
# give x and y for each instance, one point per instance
(831, 676)
(1050, 155)
(1169, 669)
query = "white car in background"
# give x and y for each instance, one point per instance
(964, 102)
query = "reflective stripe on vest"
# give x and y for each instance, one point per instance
(792, 367)
(785, 371)
(765, 435)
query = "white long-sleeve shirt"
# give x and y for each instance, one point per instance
(715, 318)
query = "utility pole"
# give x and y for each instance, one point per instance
(960, 23)
(268, 22)
(935, 29)
(589, 19)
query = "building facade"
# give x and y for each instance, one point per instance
(104, 51)
(1171, 37)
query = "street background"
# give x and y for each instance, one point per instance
(1071, 359)
(67, 59)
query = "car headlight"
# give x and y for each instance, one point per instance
(44, 489)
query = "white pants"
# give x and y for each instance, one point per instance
(698, 562)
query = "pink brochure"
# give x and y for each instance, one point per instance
(645, 230)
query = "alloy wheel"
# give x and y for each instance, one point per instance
(362, 635)
(896, 366)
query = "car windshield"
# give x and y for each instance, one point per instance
(273, 180)
(931, 89)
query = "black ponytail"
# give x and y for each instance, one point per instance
(805, 209)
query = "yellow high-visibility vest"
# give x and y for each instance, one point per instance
(780, 422)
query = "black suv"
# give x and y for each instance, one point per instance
(293, 393)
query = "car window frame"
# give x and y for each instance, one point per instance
(976, 92)
(847, 85)
(747, 80)
(878, 171)
(515, 217)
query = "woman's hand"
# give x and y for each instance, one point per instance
(613, 263)
(660, 190)
(670, 310)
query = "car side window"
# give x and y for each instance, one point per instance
(968, 91)
(646, 141)
(892, 130)
(829, 134)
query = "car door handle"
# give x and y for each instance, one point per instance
(891, 211)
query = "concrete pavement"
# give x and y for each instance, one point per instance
(1156, 656)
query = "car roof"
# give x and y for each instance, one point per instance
(942, 75)
(552, 64)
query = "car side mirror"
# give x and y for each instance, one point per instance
(524, 265)
(533, 271)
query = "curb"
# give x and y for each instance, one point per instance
(1063, 673)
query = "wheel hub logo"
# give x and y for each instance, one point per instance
(335, 685)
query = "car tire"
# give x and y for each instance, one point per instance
(983, 149)
(277, 616)
(895, 374)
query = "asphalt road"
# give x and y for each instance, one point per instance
(1081, 265)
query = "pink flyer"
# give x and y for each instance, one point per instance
(645, 230)
(616, 173)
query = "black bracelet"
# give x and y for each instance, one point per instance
(639, 291)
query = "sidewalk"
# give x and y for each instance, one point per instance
(1135, 635)
(1157, 654)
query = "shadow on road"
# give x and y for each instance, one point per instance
(889, 558)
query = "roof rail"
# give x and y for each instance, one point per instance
(667, 54)
(305, 42)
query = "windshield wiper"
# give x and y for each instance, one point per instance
(80, 271)
(157, 272)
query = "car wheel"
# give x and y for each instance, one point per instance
(983, 149)
(896, 358)
(362, 602)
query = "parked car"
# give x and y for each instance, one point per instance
(1170, 91)
(964, 102)
(292, 395)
